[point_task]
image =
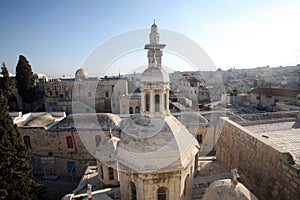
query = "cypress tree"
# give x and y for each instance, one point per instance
(25, 80)
(15, 179)
(6, 83)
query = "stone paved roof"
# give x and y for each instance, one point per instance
(42, 119)
(103, 121)
(284, 134)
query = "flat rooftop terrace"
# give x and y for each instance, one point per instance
(285, 134)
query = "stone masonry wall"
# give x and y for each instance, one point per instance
(270, 170)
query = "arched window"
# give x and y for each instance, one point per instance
(27, 142)
(157, 103)
(69, 140)
(98, 140)
(162, 193)
(133, 191)
(137, 110)
(147, 102)
(111, 173)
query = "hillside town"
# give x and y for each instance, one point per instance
(231, 134)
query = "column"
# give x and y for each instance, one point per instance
(152, 103)
(161, 101)
(143, 102)
(167, 102)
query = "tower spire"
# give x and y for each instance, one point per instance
(154, 47)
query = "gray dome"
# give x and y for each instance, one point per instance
(155, 75)
(107, 149)
(150, 144)
(225, 190)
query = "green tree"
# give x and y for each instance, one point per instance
(25, 80)
(6, 83)
(15, 180)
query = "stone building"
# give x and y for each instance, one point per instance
(156, 153)
(57, 148)
(266, 98)
(84, 94)
(53, 151)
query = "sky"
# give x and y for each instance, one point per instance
(58, 36)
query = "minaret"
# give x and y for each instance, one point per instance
(155, 82)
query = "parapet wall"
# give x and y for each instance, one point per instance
(270, 170)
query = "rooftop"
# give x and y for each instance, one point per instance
(285, 134)
(40, 119)
(282, 129)
(276, 92)
(103, 121)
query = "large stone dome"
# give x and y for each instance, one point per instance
(81, 73)
(150, 144)
(155, 75)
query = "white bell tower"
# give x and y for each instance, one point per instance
(155, 82)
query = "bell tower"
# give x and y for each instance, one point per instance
(154, 48)
(155, 82)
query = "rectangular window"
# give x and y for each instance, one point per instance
(89, 94)
(69, 140)
(106, 94)
(71, 166)
(258, 97)
(27, 142)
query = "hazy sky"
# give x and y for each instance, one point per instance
(57, 36)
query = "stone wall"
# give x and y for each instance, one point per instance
(50, 154)
(270, 170)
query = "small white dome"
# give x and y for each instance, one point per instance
(155, 75)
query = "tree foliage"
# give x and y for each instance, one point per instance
(15, 179)
(6, 83)
(25, 80)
